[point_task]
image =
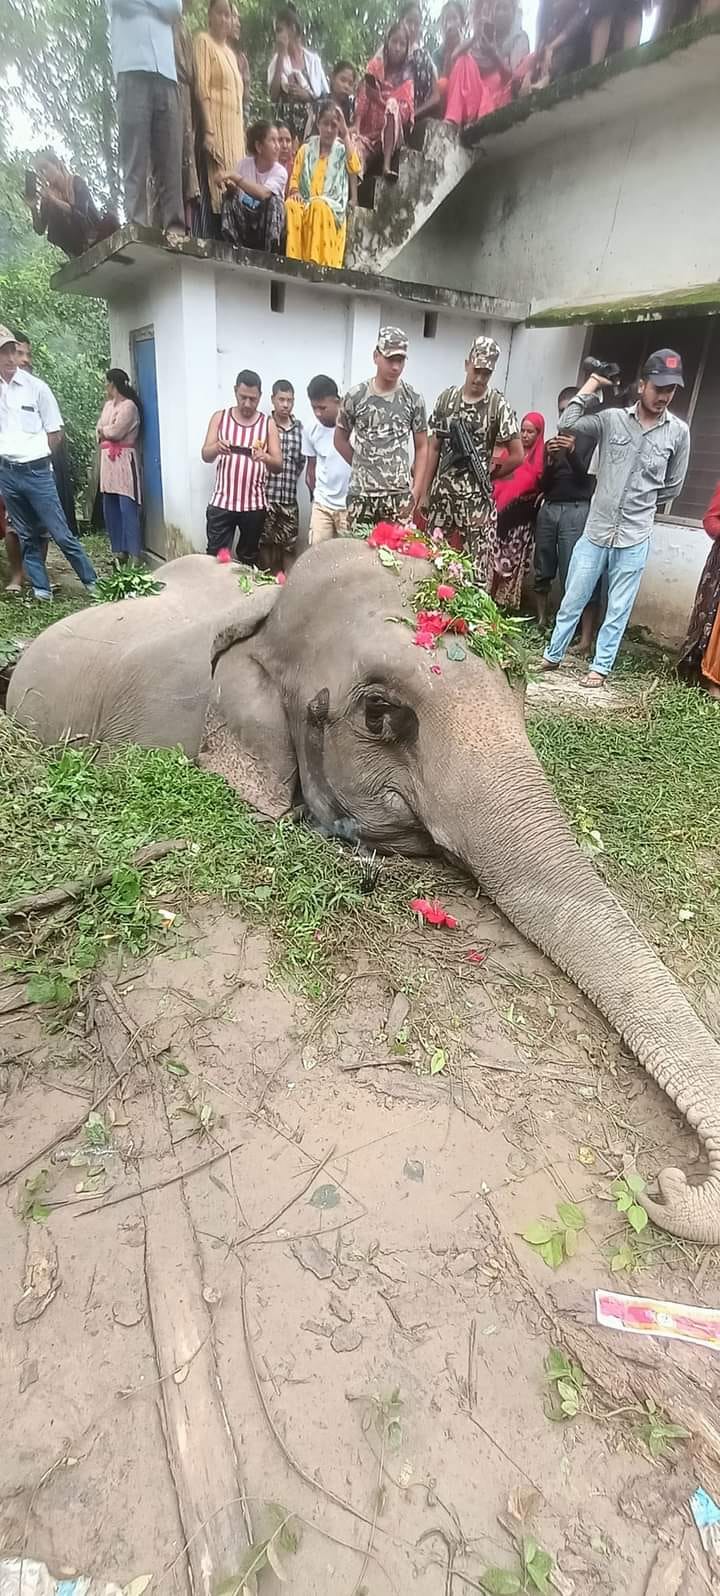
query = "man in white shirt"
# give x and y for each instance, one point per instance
(327, 474)
(30, 426)
(149, 111)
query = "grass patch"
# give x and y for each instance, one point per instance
(22, 617)
(69, 816)
(650, 785)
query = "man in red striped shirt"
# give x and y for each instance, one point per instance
(244, 445)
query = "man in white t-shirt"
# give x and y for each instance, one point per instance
(327, 474)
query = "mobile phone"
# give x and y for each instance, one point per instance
(240, 448)
(30, 185)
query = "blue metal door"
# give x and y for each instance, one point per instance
(143, 349)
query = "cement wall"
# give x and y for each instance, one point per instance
(575, 219)
(209, 322)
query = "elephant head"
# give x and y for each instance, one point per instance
(326, 686)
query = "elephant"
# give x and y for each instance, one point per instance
(310, 685)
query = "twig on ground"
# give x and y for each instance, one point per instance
(373, 1526)
(40, 902)
(157, 1185)
(243, 1242)
(70, 1130)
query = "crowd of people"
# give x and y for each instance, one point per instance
(284, 183)
(525, 507)
(573, 511)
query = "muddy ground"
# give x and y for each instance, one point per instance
(336, 1313)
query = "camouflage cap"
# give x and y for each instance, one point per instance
(6, 337)
(392, 341)
(484, 354)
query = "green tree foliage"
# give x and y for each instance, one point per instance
(58, 52)
(71, 345)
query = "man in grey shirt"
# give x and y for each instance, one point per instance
(149, 111)
(643, 461)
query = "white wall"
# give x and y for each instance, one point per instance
(210, 322)
(611, 211)
(542, 361)
(677, 556)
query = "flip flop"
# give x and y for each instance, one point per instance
(587, 681)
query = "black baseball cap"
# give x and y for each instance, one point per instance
(665, 369)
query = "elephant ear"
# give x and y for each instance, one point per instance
(247, 738)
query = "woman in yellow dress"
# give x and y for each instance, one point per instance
(219, 92)
(317, 203)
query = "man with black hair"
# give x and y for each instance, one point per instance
(282, 519)
(643, 455)
(244, 446)
(567, 487)
(327, 474)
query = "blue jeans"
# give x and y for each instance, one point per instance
(35, 510)
(624, 573)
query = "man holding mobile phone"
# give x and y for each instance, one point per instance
(244, 445)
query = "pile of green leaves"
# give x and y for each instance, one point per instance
(126, 581)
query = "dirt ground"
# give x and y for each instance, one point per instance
(336, 1313)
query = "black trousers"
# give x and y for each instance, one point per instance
(221, 526)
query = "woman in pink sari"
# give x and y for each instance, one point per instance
(486, 66)
(516, 497)
(385, 106)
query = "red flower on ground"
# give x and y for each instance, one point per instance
(432, 913)
(416, 550)
(436, 670)
(281, 579)
(474, 957)
(445, 592)
(457, 624)
(223, 556)
(424, 639)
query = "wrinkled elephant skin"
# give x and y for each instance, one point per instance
(318, 680)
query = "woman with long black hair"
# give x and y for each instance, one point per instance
(118, 430)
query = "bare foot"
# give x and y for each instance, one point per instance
(389, 175)
(593, 679)
(712, 691)
(549, 665)
(14, 587)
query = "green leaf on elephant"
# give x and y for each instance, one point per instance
(455, 650)
(538, 1232)
(245, 584)
(637, 1217)
(571, 1216)
(386, 557)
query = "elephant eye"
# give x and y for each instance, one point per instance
(376, 709)
(386, 718)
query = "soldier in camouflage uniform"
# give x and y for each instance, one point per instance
(473, 418)
(383, 414)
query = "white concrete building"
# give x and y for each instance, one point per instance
(583, 218)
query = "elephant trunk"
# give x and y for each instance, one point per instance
(517, 844)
